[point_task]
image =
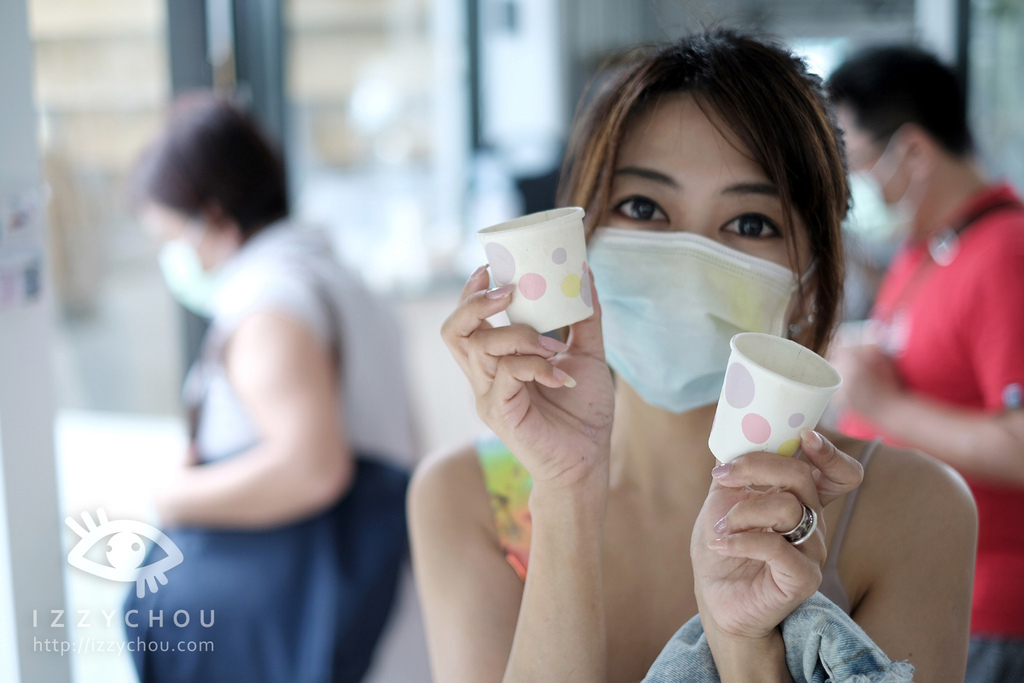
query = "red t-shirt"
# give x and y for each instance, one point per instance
(956, 333)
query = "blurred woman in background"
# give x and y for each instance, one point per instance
(289, 508)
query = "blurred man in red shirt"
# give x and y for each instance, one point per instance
(945, 369)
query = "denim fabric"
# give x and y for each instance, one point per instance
(822, 645)
(995, 660)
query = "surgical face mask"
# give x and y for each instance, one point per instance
(190, 284)
(870, 218)
(670, 303)
(882, 172)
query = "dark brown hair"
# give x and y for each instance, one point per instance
(211, 153)
(886, 87)
(769, 102)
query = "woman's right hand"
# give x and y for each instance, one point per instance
(550, 403)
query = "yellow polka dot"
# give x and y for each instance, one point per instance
(789, 447)
(571, 285)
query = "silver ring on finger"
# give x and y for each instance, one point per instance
(802, 531)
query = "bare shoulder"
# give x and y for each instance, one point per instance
(918, 485)
(448, 497)
(913, 514)
(906, 477)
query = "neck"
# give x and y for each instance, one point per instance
(951, 184)
(659, 454)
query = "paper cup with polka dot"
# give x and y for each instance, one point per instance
(545, 256)
(773, 388)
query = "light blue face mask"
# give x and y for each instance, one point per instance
(190, 284)
(670, 303)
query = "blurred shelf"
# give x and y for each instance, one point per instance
(95, 19)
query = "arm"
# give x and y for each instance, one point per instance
(551, 404)
(482, 624)
(470, 594)
(910, 549)
(285, 379)
(561, 631)
(974, 442)
(985, 319)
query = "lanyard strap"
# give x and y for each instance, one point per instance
(943, 249)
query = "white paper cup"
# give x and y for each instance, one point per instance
(773, 388)
(545, 256)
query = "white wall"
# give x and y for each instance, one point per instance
(30, 552)
(935, 22)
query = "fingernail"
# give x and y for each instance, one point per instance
(563, 377)
(811, 438)
(500, 292)
(478, 271)
(552, 344)
(720, 525)
(721, 470)
(718, 543)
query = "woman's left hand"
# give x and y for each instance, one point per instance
(748, 579)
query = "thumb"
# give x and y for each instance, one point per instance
(585, 336)
(837, 473)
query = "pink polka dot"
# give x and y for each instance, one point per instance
(532, 286)
(739, 386)
(503, 266)
(796, 419)
(756, 428)
(585, 294)
(558, 256)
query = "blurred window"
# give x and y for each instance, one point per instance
(101, 86)
(377, 126)
(996, 90)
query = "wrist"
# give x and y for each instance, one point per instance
(579, 490)
(575, 507)
(749, 658)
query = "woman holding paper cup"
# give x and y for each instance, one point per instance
(573, 544)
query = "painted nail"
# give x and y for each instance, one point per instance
(563, 377)
(500, 292)
(721, 470)
(478, 271)
(718, 543)
(552, 344)
(719, 527)
(811, 438)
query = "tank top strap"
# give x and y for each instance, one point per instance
(508, 488)
(831, 586)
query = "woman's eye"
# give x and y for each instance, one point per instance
(753, 225)
(640, 209)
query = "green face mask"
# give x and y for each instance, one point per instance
(190, 284)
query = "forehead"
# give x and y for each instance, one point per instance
(676, 134)
(162, 221)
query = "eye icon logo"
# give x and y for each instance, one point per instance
(125, 551)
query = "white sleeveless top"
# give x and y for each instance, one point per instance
(292, 270)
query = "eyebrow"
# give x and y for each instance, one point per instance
(647, 174)
(766, 189)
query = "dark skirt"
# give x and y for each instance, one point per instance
(303, 603)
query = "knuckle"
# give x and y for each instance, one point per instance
(502, 365)
(446, 329)
(792, 501)
(508, 365)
